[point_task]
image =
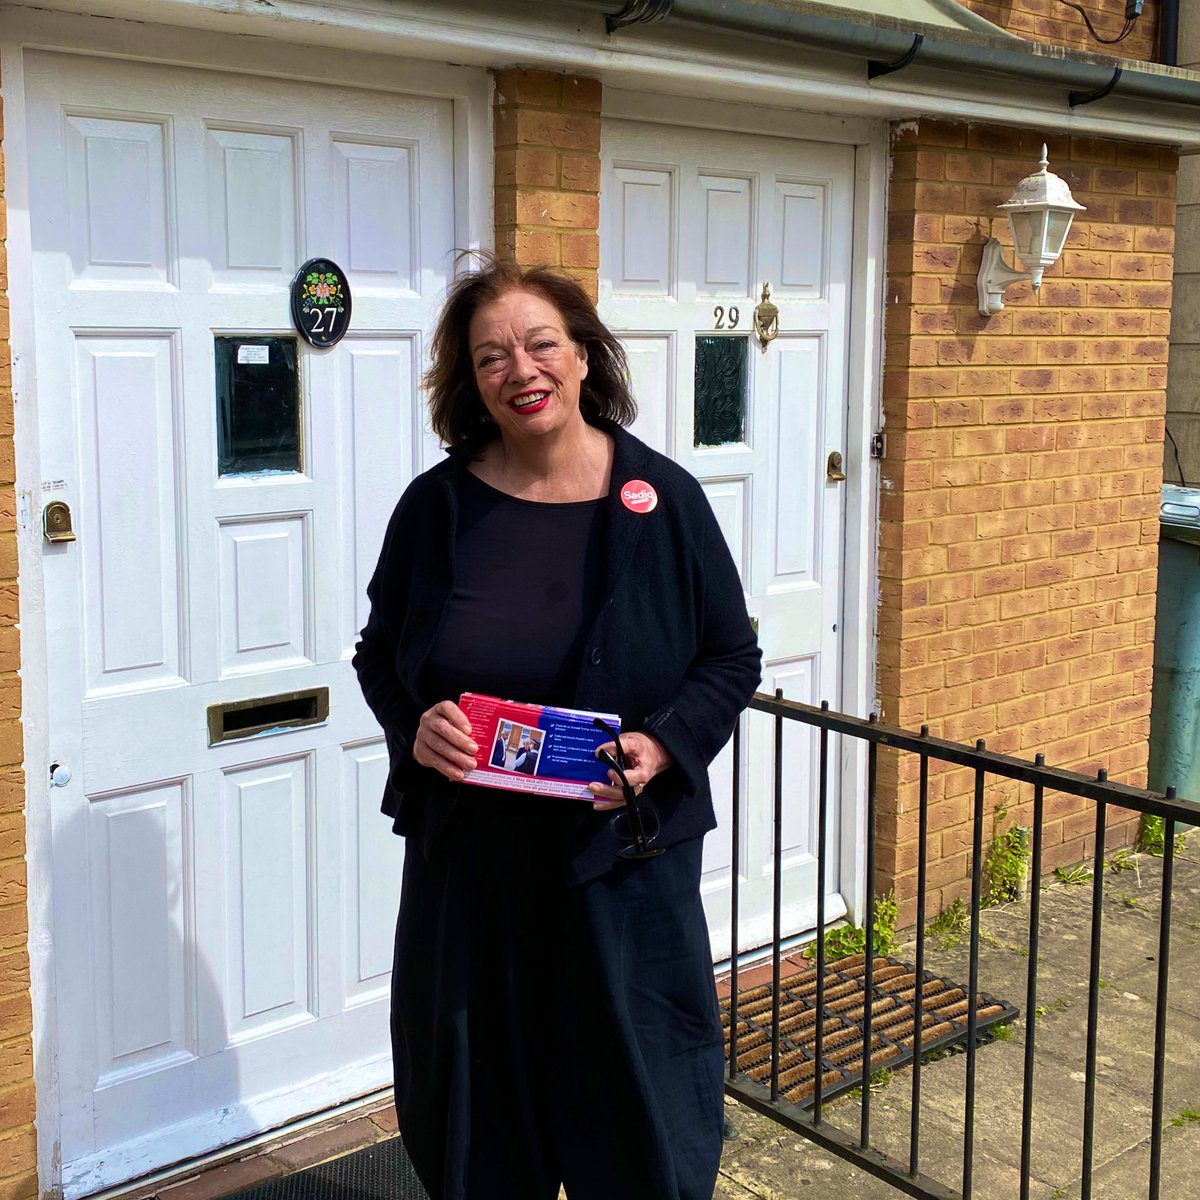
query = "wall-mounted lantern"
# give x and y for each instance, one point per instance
(1040, 212)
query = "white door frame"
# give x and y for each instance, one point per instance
(864, 416)
(470, 91)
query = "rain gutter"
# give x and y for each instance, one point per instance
(890, 47)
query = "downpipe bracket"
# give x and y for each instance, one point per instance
(877, 69)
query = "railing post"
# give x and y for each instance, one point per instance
(1160, 1004)
(1031, 990)
(864, 1129)
(914, 1133)
(734, 889)
(973, 976)
(777, 901)
(822, 886)
(1089, 1062)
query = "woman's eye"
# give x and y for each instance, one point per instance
(545, 345)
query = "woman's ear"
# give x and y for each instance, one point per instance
(583, 364)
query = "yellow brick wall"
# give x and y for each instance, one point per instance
(1051, 21)
(1018, 536)
(18, 1150)
(547, 144)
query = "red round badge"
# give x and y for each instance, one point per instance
(638, 496)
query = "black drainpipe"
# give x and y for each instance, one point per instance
(1168, 32)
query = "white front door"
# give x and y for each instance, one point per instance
(223, 909)
(694, 223)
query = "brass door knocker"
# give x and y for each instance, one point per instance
(766, 318)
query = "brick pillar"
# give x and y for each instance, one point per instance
(547, 146)
(18, 1148)
(1018, 534)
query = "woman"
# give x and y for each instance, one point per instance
(553, 1011)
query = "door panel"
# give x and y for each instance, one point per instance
(224, 912)
(693, 224)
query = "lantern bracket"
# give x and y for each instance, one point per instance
(994, 276)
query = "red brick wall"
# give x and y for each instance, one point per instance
(18, 1150)
(1053, 22)
(1020, 490)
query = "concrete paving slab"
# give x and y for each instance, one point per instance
(1127, 1177)
(1122, 1117)
(774, 1164)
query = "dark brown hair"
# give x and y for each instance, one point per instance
(457, 413)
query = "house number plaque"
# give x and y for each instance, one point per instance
(321, 302)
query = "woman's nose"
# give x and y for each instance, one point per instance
(521, 366)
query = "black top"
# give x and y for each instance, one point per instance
(528, 580)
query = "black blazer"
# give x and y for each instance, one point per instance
(671, 651)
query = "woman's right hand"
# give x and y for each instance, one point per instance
(444, 741)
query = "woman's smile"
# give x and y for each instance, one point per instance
(530, 402)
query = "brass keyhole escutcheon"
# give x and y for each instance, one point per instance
(833, 468)
(56, 522)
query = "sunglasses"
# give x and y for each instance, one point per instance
(637, 823)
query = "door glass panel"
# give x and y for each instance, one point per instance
(258, 405)
(721, 377)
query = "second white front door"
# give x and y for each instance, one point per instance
(695, 224)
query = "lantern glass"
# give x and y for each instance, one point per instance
(1058, 225)
(1029, 236)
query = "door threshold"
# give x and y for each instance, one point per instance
(160, 1180)
(760, 954)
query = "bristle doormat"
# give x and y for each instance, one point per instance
(944, 1023)
(380, 1172)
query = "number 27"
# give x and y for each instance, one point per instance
(320, 314)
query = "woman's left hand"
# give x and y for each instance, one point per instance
(645, 757)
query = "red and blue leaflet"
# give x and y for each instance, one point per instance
(534, 747)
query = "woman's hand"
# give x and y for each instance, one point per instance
(444, 741)
(645, 757)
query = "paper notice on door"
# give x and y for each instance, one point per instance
(254, 354)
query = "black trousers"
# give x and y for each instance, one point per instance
(543, 1033)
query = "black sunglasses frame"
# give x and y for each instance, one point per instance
(636, 809)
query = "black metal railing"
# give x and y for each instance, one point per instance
(908, 1177)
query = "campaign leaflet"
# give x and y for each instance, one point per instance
(535, 748)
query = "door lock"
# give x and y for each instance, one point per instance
(56, 522)
(833, 468)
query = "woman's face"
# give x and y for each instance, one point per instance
(527, 369)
